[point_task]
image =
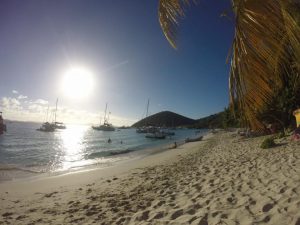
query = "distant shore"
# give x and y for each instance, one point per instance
(224, 179)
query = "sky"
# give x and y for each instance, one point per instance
(122, 50)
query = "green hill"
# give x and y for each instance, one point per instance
(212, 121)
(170, 119)
(165, 118)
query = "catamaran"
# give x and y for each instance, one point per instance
(51, 127)
(46, 126)
(106, 126)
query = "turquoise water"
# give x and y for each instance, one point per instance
(24, 149)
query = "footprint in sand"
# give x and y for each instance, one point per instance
(161, 203)
(191, 211)
(193, 219)
(32, 210)
(177, 214)
(50, 194)
(267, 219)
(159, 215)
(214, 214)
(267, 207)
(203, 221)
(21, 217)
(121, 220)
(224, 216)
(7, 214)
(252, 202)
(144, 216)
(282, 190)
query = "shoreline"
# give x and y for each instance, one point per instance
(12, 172)
(224, 179)
(142, 158)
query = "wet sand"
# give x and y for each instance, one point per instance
(224, 179)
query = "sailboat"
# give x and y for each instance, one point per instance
(157, 135)
(144, 129)
(58, 125)
(106, 126)
(46, 126)
(2, 125)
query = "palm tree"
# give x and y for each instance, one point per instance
(265, 53)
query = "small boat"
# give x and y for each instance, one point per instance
(168, 132)
(148, 129)
(47, 127)
(124, 127)
(2, 125)
(156, 135)
(193, 139)
(141, 130)
(106, 126)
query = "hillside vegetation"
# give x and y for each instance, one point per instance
(170, 119)
(165, 119)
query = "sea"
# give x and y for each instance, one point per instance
(26, 152)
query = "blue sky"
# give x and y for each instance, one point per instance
(123, 46)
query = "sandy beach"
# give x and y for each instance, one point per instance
(224, 179)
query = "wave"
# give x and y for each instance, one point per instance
(15, 168)
(95, 155)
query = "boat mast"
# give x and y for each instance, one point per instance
(47, 114)
(147, 108)
(55, 111)
(108, 117)
(105, 121)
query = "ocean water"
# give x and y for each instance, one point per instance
(26, 152)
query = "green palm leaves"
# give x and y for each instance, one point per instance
(265, 53)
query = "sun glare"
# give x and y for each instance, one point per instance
(77, 83)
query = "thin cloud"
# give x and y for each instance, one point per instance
(10, 104)
(15, 92)
(117, 65)
(40, 102)
(22, 97)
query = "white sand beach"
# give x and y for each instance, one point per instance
(224, 179)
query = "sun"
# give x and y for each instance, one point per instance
(77, 83)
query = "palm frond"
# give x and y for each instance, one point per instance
(170, 12)
(262, 49)
(265, 54)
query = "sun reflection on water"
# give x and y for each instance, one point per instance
(72, 146)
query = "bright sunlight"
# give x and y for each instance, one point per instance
(77, 83)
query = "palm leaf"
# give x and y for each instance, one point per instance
(266, 42)
(170, 12)
(265, 52)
